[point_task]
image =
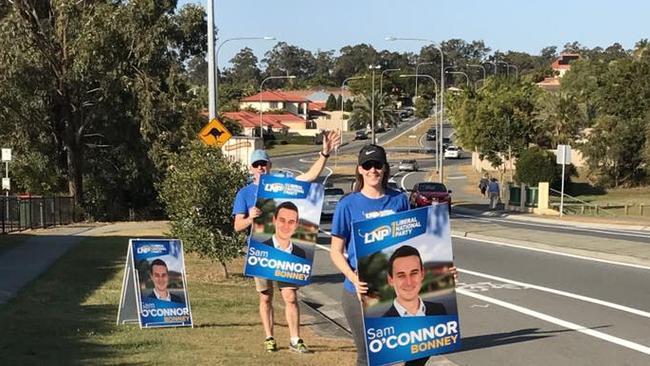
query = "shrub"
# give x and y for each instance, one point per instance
(198, 194)
(536, 165)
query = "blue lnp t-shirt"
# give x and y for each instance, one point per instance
(357, 207)
(245, 199)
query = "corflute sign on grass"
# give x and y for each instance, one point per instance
(410, 310)
(282, 239)
(155, 281)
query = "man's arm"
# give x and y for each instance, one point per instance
(242, 221)
(331, 139)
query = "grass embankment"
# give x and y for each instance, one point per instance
(68, 316)
(408, 139)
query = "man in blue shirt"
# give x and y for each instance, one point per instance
(245, 212)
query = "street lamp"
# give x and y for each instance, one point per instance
(516, 70)
(442, 88)
(494, 64)
(417, 72)
(216, 63)
(435, 93)
(342, 88)
(507, 68)
(381, 79)
(372, 106)
(480, 67)
(261, 86)
(459, 73)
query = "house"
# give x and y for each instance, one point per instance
(560, 66)
(273, 100)
(281, 123)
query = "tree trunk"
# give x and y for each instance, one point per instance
(225, 269)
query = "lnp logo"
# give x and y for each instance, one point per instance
(274, 187)
(376, 235)
(152, 248)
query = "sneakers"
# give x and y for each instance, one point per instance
(299, 347)
(270, 345)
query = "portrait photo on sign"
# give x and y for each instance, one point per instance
(161, 278)
(290, 223)
(411, 278)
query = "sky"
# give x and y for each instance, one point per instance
(517, 25)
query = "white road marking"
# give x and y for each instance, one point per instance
(557, 321)
(561, 293)
(632, 265)
(457, 177)
(401, 183)
(576, 228)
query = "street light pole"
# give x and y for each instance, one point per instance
(261, 86)
(342, 88)
(442, 88)
(381, 79)
(480, 67)
(435, 93)
(372, 103)
(516, 70)
(494, 64)
(417, 72)
(212, 83)
(216, 63)
(459, 73)
(507, 68)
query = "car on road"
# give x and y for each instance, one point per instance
(431, 134)
(404, 115)
(393, 184)
(427, 193)
(361, 135)
(446, 142)
(332, 197)
(408, 165)
(380, 129)
(452, 152)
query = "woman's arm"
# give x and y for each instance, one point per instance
(336, 254)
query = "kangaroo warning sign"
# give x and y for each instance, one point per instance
(214, 133)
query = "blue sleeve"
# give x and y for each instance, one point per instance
(239, 206)
(341, 222)
(405, 206)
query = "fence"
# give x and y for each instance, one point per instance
(19, 213)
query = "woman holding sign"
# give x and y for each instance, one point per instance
(371, 198)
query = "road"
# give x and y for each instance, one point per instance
(525, 306)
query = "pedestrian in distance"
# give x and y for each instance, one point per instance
(494, 190)
(482, 185)
(245, 212)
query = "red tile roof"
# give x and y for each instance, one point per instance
(316, 106)
(251, 119)
(275, 96)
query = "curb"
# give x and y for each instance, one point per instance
(581, 224)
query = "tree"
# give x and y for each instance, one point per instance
(285, 59)
(330, 104)
(99, 90)
(198, 194)
(244, 71)
(561, 119)
(362, 107)
(536, 165)
(422, 107)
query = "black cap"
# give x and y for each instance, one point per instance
(372, 153)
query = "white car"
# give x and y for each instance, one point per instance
(332, 197)
(452, 152)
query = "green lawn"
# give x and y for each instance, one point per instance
(612, 201)
(277, 150)
(67, 317)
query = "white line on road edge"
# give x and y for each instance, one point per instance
(568, 227)
(563, 323)
(561, 293)
(401, 183)
(632, 265)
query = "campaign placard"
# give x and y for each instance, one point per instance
(410, 310)
(282, 239)
(157, 273)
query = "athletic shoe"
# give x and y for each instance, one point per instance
(270, 345)
(299, 347)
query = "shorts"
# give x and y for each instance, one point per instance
(263, 284)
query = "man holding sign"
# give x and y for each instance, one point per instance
(245, 212)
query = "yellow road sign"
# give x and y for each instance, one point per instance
(214, 133)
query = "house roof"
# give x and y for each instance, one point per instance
(251, 119)
(276, 96)
(564, 61)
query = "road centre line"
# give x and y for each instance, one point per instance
(576, 228)
(401, 183)
(561, 293)
(557, 321)
(546, 251)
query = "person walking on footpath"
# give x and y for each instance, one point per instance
(493, 190)
(482, 185)
(245, 212)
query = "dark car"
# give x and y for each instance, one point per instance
(361, 135)
(431, 134)
(427, 193)
(380, 129)
(446, 142)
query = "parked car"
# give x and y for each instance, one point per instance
(408, 165)
(431, 134)
(361, 135)
(410, 110)
(403, 114)
(452, 152)
(393, 184)
(380, 129)
(427, 193)
(332, 197)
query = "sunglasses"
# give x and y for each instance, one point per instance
(378, 165)
(260, 163)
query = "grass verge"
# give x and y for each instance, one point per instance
(67, 317)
